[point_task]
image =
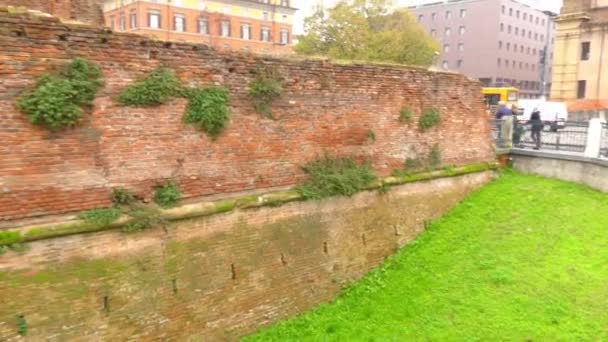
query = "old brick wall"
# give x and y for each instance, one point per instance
(85, 11)
(214, 278)
(325, 109)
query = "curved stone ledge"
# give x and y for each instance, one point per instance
(54, 230)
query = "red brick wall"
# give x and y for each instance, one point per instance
(325, 109)
(86, 11)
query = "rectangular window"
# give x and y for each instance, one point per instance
(112, 25)
(265, 15)
(461, 47)
(433, 16)
(459, 63)
(445, 65)
(179, 23)
(499, 62)
(448, 15)
(433, 33)
(284, 36)
(461, 30)
(285, 3)
(446, 48)
(463, 13)
(585, 51)
(154, 20)
(133, 20)
(246, 31)
(265, 34)
(225, 28)
(448, 31)
(203, 26)
(122, 23)
(502, 27)
(420, 18)
(581, 90)
(500, 44)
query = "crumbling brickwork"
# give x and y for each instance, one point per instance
(325, 109)
(85, 11)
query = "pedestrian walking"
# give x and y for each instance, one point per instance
(537, 128)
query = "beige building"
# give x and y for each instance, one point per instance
(580, 67)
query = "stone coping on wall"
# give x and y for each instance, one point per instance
(278, 198)
(559, 156)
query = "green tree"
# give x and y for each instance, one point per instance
(367, 30)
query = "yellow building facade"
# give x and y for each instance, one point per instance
(580, 67)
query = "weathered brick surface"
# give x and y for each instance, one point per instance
(325, 109)
(85, 11)
(214, 278)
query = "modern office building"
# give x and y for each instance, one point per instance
(250, 25)
(580, 68)
(500, 42)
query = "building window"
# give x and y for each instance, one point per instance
(246, 31)
(133, 20)
(500, 44)
(284, 36)
(537, 20)
(203, 26)
(514, 47)
(533, 67)
(529, 34)
(528, 50)
(514, 64)
(179, 23)
(433, 16)
(525, 16)
(499, 62)
(446, 47)
(459, 63)
(448, 31)
(265, 34)
(533, 52)
(510, 12)
(285, 3)
(507, 63)
(420, 18)
(154, 20)
(508, 46)
(521, 65)
(585, 51)
(581, 89)
(523, 33)
(502, 27)
(448, 15)
(225, 28)
(543, 23)
(542, 38)
(122, 22)
(112, 25)
(521, 49)
(517, 31)
(445, 65)
(463, 13)
(503, 9)
(517, 14)
(461, 30)
(509, 29)
(461, 47)
(265, 15)
(433, 33)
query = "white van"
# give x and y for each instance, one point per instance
(554, 114)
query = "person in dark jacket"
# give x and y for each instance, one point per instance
(537, 128)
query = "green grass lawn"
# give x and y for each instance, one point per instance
(523, 259)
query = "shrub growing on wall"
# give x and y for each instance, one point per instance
(264, 89)
(167, 195)
(156, 89)
(430, 117)
(405, 115)
(208, 109)
(58, 101)
(330, 177)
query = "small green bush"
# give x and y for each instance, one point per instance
(100, 217)
(208, 110)
(430, 117)
(414, 164)
(21, 325)
(142, 218)
(371, 135)
(434, 158)
(57, 101)
(264, 89)
(154, 90)
(10, 238)
(167, 195)
(405, 115)
(329, 177)
(121, 196)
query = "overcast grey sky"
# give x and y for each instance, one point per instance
(305, 7)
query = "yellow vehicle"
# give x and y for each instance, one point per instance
(493, 96)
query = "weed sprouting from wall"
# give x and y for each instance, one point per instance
(100, 217)
(371, 136)
(167, 195)
(122, 196)
(59, 101)
(432, 161)
(405, 115)
(208, 109)
(156, 89)
(21, 325)
(430, 118)
(265, 89)
(330, 177)
(435, 158)
(143, 217)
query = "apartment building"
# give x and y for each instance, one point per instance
(249, 25)
(499, 42)
(581, 56)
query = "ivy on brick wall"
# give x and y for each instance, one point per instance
(156, 89)
(207, 107)
(208, 110)
(265, 89)
(58, 101)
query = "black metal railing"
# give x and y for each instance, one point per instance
(604, 141)
(559, 136)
